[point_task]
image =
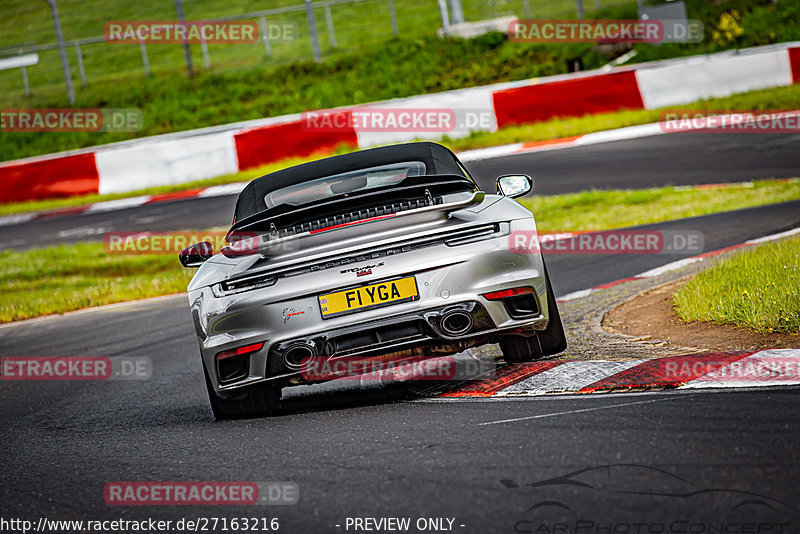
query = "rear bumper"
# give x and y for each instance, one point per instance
(450, 279)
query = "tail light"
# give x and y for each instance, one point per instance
(498, 295)
(239, 351)
(234, 364)
(520, 302)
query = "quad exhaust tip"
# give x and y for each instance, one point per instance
(456, 322)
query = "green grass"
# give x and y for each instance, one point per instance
(756, 289)
(771, 99)
(369, 65)
(70, 277)
(402, 68)
(361, 26)
(358, 26)
(602, 210)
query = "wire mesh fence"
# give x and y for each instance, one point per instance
(342, 27)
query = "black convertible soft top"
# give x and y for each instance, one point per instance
(437, 160)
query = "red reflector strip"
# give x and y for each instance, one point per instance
(353, 223)
(241, 350)
(507, 293)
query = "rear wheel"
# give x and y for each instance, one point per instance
(259, 402)
(519, 349)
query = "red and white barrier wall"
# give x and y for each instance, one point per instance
(199, 154)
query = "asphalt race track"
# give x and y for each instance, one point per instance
(688, 158)
(665, 461)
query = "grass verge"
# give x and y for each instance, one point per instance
(757, 289)
(70, 277)
(767, 99)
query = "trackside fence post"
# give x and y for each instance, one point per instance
(445, 16)
(204, 49)
(145, 59)
(393, 18)
(81, 70)
(312, 29)
(265, 35)
(329, 22)
(25, 78)
(526, 6)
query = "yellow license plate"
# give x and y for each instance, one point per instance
(371, 296)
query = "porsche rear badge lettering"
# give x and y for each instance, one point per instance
(361, 270)
(288, 313)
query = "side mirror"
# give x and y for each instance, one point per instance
(514, 185)
(197, 254)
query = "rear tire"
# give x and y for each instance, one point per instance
(260, 402)
(520, 349)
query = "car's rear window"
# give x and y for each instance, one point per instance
(348, 182)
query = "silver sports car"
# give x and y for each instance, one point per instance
(392, 251)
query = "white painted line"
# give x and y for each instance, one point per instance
(668, 267)
(17, 219)
(621, 134)
(569, 412)
(576, 295)
(120, 204)
(223, 190)
(569, 376)
(773, 237)
(490, 152)
(556, 236)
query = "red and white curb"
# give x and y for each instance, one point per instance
(606, 136)
(774, 367)
(192, 155)
(675, 264)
